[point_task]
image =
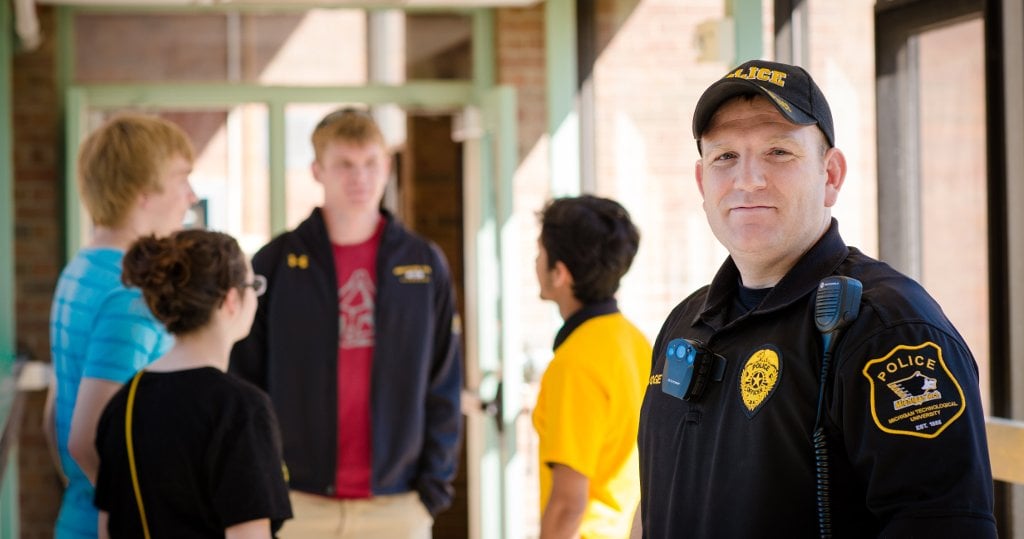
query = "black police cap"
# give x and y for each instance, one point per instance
(790, 88)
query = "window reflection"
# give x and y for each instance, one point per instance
(954, 179)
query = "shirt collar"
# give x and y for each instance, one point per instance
(817, 263)
(585, 313)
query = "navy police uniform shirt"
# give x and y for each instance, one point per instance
(904, 422)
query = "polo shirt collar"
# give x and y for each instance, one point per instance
(585, 313)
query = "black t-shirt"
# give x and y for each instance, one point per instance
(207, 453)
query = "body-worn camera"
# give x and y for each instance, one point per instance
(689, 365)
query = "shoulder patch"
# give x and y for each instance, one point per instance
(912, 391)
(759, 377)
(413, 273)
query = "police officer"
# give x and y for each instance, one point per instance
(727, 442)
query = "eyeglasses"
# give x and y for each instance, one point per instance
(258, 285)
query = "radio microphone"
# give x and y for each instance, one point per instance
(836, 305)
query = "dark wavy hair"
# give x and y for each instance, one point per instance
(595, 239)
(185, 276)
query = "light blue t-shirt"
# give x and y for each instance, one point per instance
(98, 329)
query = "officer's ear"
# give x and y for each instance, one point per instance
(698, 172)
(835, 174)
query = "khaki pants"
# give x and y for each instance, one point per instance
(399, 516)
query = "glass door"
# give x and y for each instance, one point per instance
(942, 185)
(933, 177)
(494, 359)
(954, 179)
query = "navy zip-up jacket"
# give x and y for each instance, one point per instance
(905, 448)
(416, 377)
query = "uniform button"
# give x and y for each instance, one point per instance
(329, 491)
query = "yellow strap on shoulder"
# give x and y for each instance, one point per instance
(131, 451)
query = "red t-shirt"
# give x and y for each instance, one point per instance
(357, 291)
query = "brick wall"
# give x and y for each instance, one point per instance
(521, 64)
(646, 80)
(842, 61)
(38, 255)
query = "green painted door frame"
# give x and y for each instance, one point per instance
(7, 345)
(9, 517)
(500, 112)
(7, 326)
(79, 99)
(563, 116)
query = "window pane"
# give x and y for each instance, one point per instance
(164, 46)
(954, 194)
(318, 47)
(439, 46)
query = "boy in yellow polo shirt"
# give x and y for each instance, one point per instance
(588, 407)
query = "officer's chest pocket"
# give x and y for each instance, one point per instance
(667, 418)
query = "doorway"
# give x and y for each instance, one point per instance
(430, 203)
